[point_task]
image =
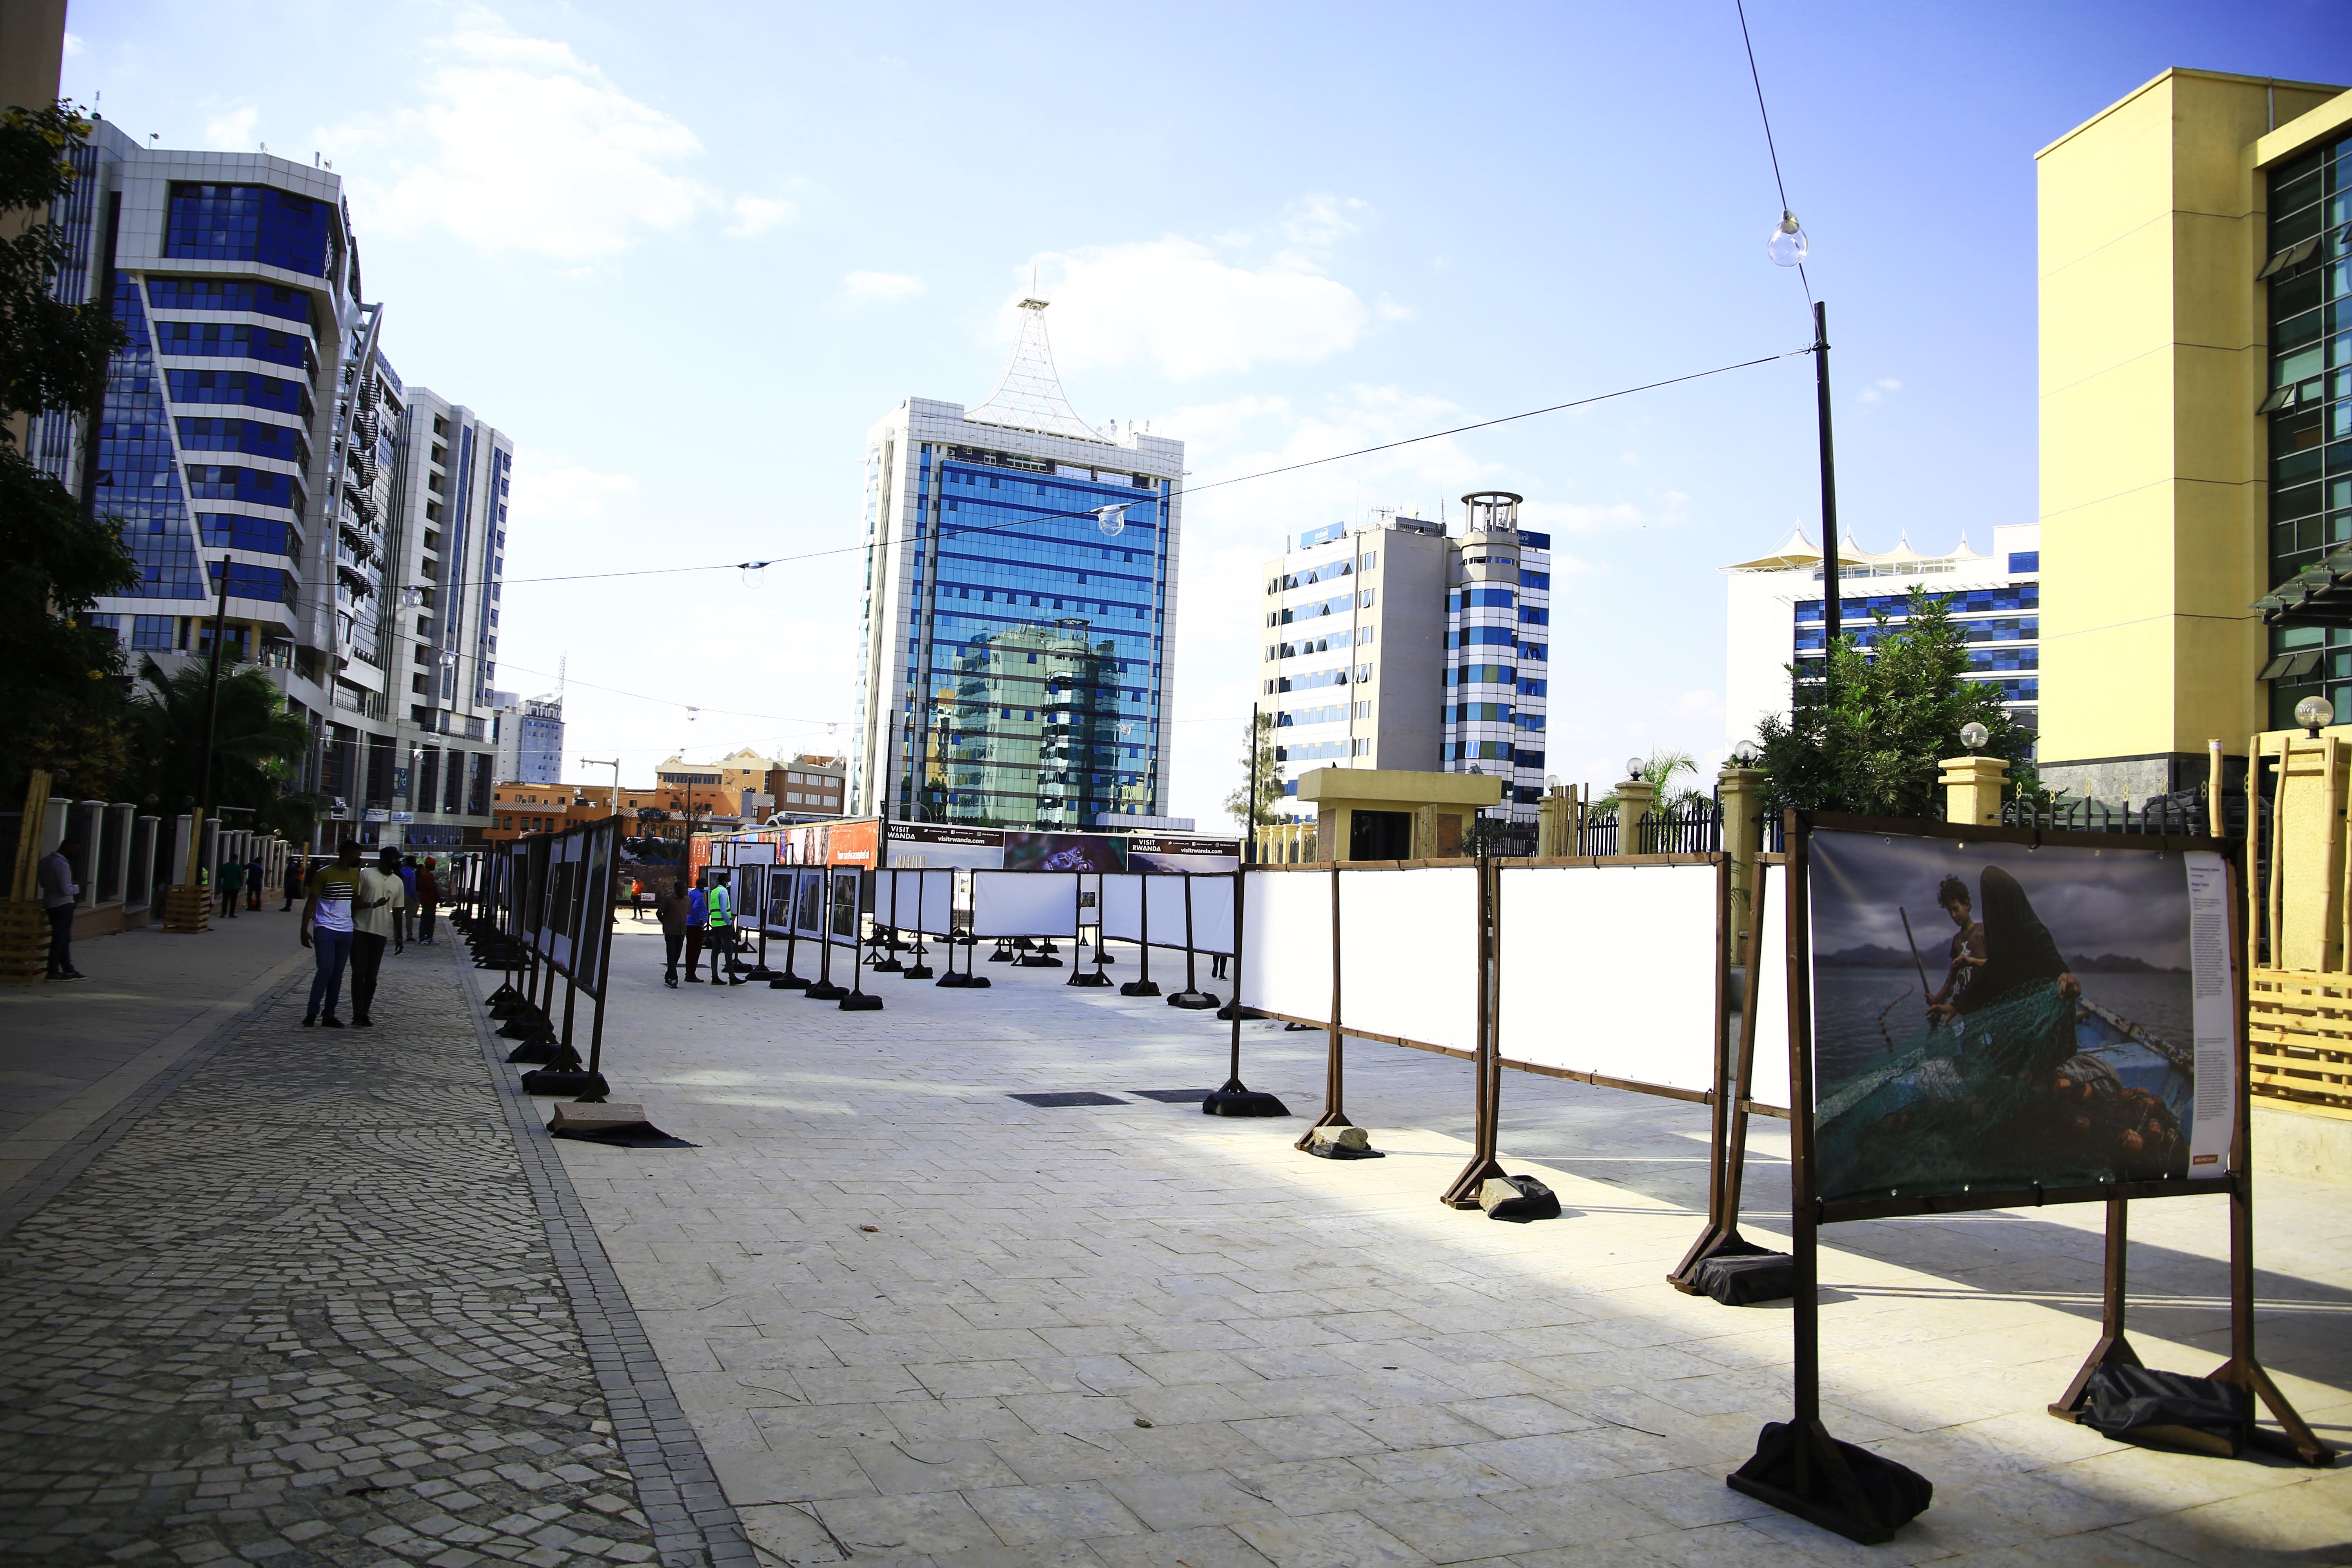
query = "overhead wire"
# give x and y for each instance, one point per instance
(1178, 491)
(1770, 148)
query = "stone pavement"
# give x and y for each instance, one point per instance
(915, 1320)
(70, 1054)
(320, 1296)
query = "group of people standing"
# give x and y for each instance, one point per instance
(697, 917)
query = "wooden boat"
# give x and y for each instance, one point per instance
(2138, 1057)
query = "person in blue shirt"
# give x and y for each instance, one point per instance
(405, 924)
(698, 927)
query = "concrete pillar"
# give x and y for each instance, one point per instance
(1743, 836)
(2308, 849)
(1636, 797)
(1972, 787)
(88, 826)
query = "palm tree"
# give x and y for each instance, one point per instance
(256, 743)
(1659, 772)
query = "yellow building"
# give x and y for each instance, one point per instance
(2186, 329)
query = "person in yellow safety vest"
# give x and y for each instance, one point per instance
(723, 935)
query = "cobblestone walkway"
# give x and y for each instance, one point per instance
(306, 1311)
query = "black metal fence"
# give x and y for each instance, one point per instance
(1694, 827)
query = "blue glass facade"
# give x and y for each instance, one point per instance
(282, 442)
(1033, 675)
(215, 294)
(250, 223)
(137, 477)
(230, 339)
(260, 536)
(2000, 641)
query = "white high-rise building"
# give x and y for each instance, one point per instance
(1019, 606)
(1399, 645)
(529, 738)
(1773, 618)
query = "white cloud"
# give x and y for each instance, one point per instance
(231, 129)
(881, 285)
(521, 145)
(758, 215)
(74, 46)
(1190, 308)
(1881, 388)
(566, 494)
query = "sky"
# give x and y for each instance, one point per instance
(685, 257)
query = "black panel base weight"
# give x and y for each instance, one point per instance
(535, 1051)
(916, 972)
(1138, 988)
(788, 982)
(886, 966)
(821, 992)
(1233, 1010)
(1084, 978)
(588, 1088)
(1243, 1102)
(1799, 1468)
(1034, 961)
(1192, 1000)
(859, 1001)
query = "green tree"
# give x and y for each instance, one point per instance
(257, 743)
(1870, 737)
(1260, 745)
(63, 704)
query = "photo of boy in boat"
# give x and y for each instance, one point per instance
(2014, 1070)
(1967, 950)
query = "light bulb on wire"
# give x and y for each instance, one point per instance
(1112, 519)
(1787, 244)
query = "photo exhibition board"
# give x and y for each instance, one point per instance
(1409, 964)
(1610, 970)
(1996, 1014)
(1025, 903)
(808, 903)
(1286, 961)
(846, 880)
(601, 848)
(776, 910)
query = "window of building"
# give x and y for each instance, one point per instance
(249, 223)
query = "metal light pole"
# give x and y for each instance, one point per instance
(1832, 609)
(212, 713)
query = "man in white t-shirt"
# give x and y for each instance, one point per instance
(374, 923)
(325, 929)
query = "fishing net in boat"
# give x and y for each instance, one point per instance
(1998, 1098)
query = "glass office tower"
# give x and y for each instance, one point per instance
(254, 430)
(1018, 607)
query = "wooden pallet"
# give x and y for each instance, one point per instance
(2299, 1032)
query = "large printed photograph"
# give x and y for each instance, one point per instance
(1994, 1015)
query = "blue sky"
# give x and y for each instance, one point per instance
(686, 256)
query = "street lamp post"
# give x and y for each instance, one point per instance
(615, 765)
(1832, 609)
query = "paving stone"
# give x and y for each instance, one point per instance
(271, 1289)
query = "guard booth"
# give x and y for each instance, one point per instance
(1394, 813)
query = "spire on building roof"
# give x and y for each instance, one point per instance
(1030, 396)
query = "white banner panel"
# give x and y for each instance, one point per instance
(1286, 962)
(1610, 970)
(935, 912)
(1121, 912)
(1024, 903)
(1212, 912)
(1768, 992)
(1408, 954)
(897, 899)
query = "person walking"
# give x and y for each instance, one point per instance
(375, 920)
(297, 868)
(253, 885)
(669, 907)
(228, 883)
(721, 905)
(55, 880)
(326, 930)
(637, 897)
(405, 931)
(428, 900)
(698, 927)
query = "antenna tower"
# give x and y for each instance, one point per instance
(1030, 397)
